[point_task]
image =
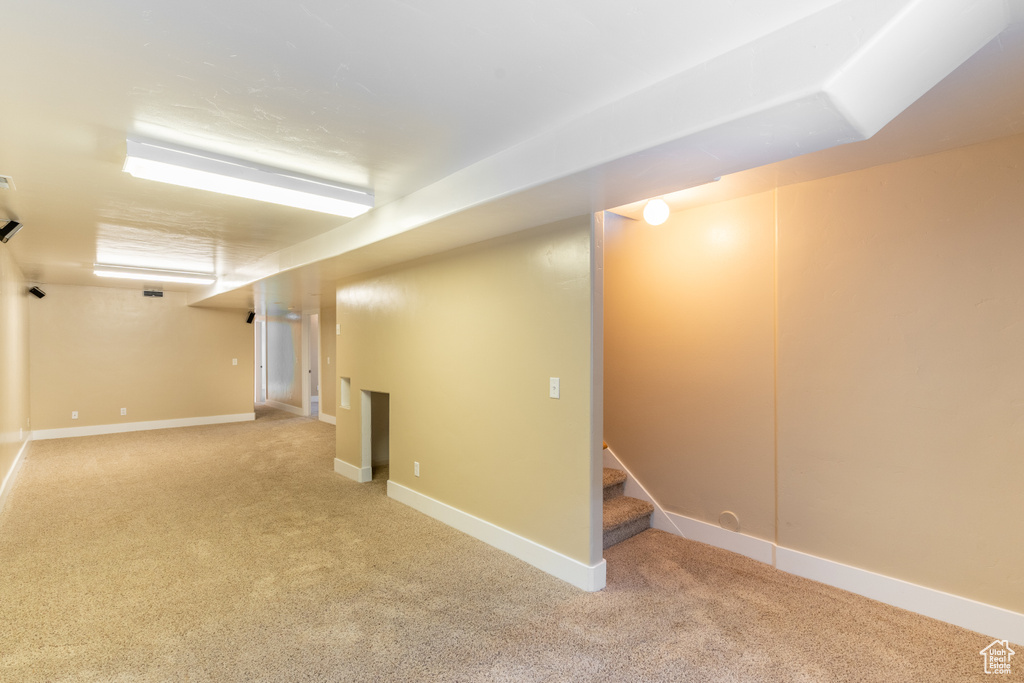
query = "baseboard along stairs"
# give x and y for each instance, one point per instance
(624, 517)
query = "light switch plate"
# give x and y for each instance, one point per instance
(554, 389)
(234, 361)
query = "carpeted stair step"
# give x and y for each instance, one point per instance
(614, 483)
(625, 517)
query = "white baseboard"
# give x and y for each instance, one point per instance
(8, 482)
(93, 430)
(989, 620)
(360, 474)
(329, 419)
(572, 571)
(712, 534)
(285, 407)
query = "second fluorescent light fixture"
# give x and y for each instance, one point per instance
(206, 171)
(153, 274)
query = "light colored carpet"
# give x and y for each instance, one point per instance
(614, 483)
(623, 517)
(234, 553)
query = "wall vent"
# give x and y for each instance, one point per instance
(152, 292)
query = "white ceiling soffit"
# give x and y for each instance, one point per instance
(831, 78)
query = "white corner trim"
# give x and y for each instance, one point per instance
(360, 474)
(329, 419)
(547, 560)
(696, 530)
(992, 621)
(93, 430)
(12, 473)
(285, 407)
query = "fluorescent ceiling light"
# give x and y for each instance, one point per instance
(206, 171)
(153, 274)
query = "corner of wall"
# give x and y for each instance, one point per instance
(14, 377)
(9, 477)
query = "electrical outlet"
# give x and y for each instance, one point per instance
(234, 361)
(553, 389)
(416, 468)
(74, 414)
(124, 411)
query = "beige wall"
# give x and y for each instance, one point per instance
(900, 371)
(464, 343)
(14, 379)
(328, 361)
(284, 361)
(97, 350)
(689, 380)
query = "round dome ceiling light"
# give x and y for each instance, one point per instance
(656, 212)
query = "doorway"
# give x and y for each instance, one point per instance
(260, 362)
(376, 410)
(313, 351)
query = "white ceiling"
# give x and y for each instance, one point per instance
(466, 118)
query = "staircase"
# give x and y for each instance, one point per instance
(623, 516)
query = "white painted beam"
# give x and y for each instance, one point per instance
(831, 78)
